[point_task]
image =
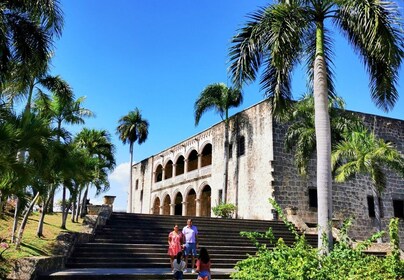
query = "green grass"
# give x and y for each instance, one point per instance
(31, 244)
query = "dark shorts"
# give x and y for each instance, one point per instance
(190, 249)
(178, 275)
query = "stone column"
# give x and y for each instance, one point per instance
(174, 170)
(163, 175)
(185, 166)
(184, 208)
(161, 210)
(172, 208)
(198, 207)
(199, 161)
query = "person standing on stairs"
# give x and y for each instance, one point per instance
(175, 241)
(203, 265)
(190, 233)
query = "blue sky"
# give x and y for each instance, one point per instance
(158, 55)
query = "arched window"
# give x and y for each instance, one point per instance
(179, 166)
(192, 161)
(159, 173)
(169, 170)
(207, 155)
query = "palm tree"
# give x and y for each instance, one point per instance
(99, 159)
(28, 28)
(283, 34)
(300, 136)
(220, 98)
(61, 108)
(361, 152)
(132, 128)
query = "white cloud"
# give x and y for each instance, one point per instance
(120, 176)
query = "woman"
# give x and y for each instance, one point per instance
(203, 265)
(175, 240)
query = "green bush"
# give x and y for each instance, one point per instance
(301, 261)
(224, 210)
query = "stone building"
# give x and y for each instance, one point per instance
(187, 178)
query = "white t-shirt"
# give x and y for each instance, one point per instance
(178, 266)
(190, 234)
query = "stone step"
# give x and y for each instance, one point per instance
(139, 242)
(126, 274)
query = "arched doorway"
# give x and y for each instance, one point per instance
(178, 205)
(192, 161)
(179, 166)
(159, 173)
(206, 201)
(156, 206)
(191, 203)
(169, 170)
(207, 155)
(166, 205)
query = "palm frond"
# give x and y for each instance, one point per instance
(374, 30)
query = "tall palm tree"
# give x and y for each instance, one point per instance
(132, 128)
(220, 98)
(361, 152)
(283, 34)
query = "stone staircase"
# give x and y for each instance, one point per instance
(138, 242)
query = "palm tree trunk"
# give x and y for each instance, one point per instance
(226, 159)
(130, 202)
(78, 207)
(63, 226)
(15, 222)
(39, 231)
(83, 209)
(24, 221)
(323, 139)
(376, 199)
(74, 208)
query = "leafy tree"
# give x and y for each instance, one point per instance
(283, 34)
(220, 98)
(132, 128)
(361, 152)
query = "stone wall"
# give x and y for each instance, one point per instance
(350, 198)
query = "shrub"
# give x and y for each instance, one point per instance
(224, 210)
(301, 261)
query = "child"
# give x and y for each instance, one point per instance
(203, 265)
(178, 267)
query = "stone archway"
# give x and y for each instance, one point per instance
(205, 201)
(166, 205)
(178, 205)
(191, 203)
(156, 206)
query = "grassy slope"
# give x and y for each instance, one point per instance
(31, 244)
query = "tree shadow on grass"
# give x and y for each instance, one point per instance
(35, 249)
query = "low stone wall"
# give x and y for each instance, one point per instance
(32, 267)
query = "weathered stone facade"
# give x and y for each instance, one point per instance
(187, 179)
